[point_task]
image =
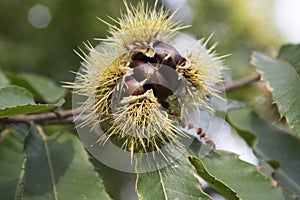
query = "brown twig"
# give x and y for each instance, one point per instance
(55, 117)
(67, 116)
(66, 120)
(236, 84)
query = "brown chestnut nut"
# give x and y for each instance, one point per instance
(171, 76)
(163, 80)
(142, 70)
(160, 92)
(133, 87)
(140, 56)
(167, 54)
(136, 63)
(161, 85)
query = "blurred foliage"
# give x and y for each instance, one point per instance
(49, 52)
(283, 82)
(237, 28)
(275, 151)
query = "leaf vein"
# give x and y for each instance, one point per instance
(49, 162)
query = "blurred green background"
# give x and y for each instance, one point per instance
(39, 36)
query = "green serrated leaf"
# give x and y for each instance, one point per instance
(234, 178)
(3, 80)
(284, 82)
(122, 187)
(274, 145)
(42, 88)
(291, 54)
(174, 182)
(13, 95)
(12, 159)
(218, 185)
(16, 100)
(57, 167)
(26, 109)
(259, 99)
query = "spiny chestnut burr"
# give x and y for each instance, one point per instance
(141, 40)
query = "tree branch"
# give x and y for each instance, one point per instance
(67, 116)
(236, 84)
(55, 117)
